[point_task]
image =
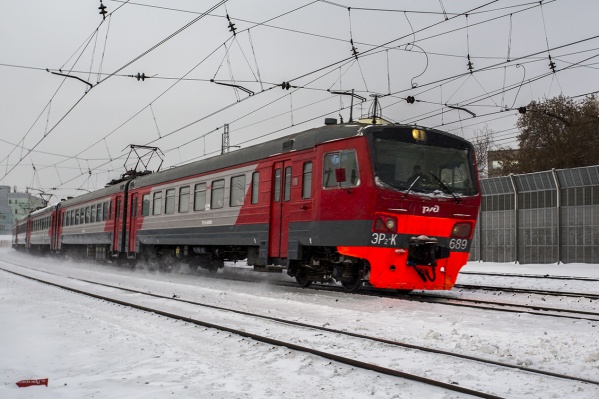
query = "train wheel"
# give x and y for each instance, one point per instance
(352, 285)
(302, 280)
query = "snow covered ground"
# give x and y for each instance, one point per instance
(88, 348)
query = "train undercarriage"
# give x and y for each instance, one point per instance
(318, 265)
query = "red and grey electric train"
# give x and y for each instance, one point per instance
(391, 205)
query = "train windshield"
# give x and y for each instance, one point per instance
(432, 163)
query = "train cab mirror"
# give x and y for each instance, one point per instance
(340, 175)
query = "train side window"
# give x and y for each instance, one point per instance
(199, 200)
(92, 218)
(65, 220)
(109, 210)
(81, 215)
(105, 211)
(145, 207)
(157, 206)
(307, 180)
(217, 196)
(76, 217)
(255, 186)
(184, 199)
(169, 206)
(237, 194)
(99, 213)
(287, 191)
(340, 169)
(72, 217)
(277, 183)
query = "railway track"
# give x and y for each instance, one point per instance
(530, 276)
(528, 291)
(440, 298)
(494, 305)
(327, 337)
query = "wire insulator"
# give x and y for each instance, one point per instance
(551, 64)
(102, 9)
(232, 27)
(410, 100)
(354, 50)
(470, 64)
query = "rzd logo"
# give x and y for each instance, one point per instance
(430, 209)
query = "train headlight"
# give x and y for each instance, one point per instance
(390, 223)
(462, 230)
(384, 223)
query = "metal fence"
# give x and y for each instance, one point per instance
(544, 217)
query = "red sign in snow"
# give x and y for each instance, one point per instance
(28, 383)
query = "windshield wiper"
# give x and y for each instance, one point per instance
(410, 188)
(446, 187)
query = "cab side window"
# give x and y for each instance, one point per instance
(340, 169)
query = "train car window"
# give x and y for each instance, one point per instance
(255, 186)
(199, 200)
(65, 221)
(217, 196)
(184, 199)
(287, 192)
(169, 206)
(72, 211)
(340, 169)
(157, 206)
(105, 211)
(87, 214)
(76, 217)
(99, 213)
(307, 180)
(237, 193)
(277, 185)
(93, 215)
(145, 205)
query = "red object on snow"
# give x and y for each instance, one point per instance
(28, 383)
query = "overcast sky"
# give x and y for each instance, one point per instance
(65, 135)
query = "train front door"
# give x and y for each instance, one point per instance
(280, 209)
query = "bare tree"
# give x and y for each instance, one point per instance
(483, 142)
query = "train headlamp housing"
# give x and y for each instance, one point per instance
(384, 223)
(462, 230)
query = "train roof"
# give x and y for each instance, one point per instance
(101, 193)
(293, 142)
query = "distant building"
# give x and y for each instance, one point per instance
(5, 211)
(14, 205)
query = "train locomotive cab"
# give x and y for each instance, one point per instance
(426, 201)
